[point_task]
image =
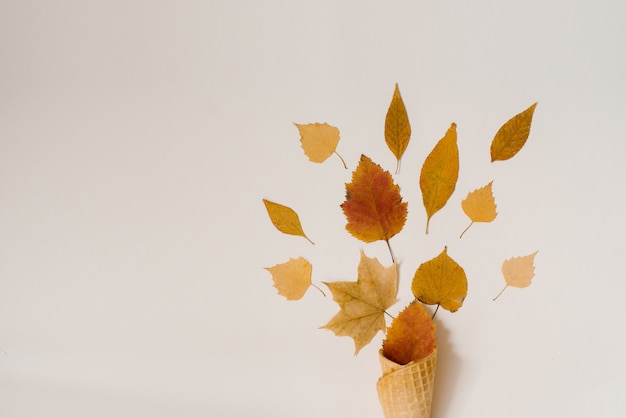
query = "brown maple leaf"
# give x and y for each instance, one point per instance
(363, 303)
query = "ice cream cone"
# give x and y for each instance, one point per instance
(407, 391)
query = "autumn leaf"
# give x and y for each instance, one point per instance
(512, 136)
(373, 207)
(518, 271)
(293, 278)
(440, 173)
(411, 335)
(319, 141)
(285, 219)
(480, 206)
(363, 303)
(440, 281)
(397, 127)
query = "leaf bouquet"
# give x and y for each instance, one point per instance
(375, 211)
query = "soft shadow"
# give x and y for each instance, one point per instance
(446, 375)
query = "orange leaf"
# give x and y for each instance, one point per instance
(518, 271)
(411, 335)
(480, 206)
(512, 136)
(363, 303)
(440, 281)
(319, 141)
(293, 278)
(397, 127)
(440, 173)
(373, 206)
(285, 219)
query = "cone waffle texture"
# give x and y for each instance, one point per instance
(407, 391)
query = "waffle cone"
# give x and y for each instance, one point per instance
(407, 391)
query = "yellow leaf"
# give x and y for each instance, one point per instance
(397, 127)
(518, 271)
(440, 281)
(363, 303)
(293, 278)
(440, 173)
(480, 206)
(319, 141)
(285, 219)
(512, 136)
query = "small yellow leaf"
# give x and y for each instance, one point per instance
(285, 219)
(440, 173)
(518, 271)
(319, 141)
(363, 303)
(440, 281)
(480, 206)
(512, 136)
(397, 127)
(293, 278)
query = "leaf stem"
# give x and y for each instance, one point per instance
(436, 310)
(390, 315)
(342, 161)
(318, 288)
(397, 166)
(498, 295)
(308, 239)
(465, 230)
(393, 259)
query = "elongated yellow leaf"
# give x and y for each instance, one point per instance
(293, 278)
(440, 173)
(518, 271)
(512, 136)
(441, 281)
(397, 127)
(285, 219)
(480, 206)
(319, 141)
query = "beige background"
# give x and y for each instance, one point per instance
(137, 139)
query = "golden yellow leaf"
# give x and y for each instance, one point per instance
(440, 173)
(440, 281)
(480, 206)
(319, 141)
(518, 271)
(293, 278)
(512, 136)
(397, 127)
(363, 303)
(285, 219)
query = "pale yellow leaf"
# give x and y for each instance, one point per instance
(319, 141)
(518, 271)
(293, 278)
